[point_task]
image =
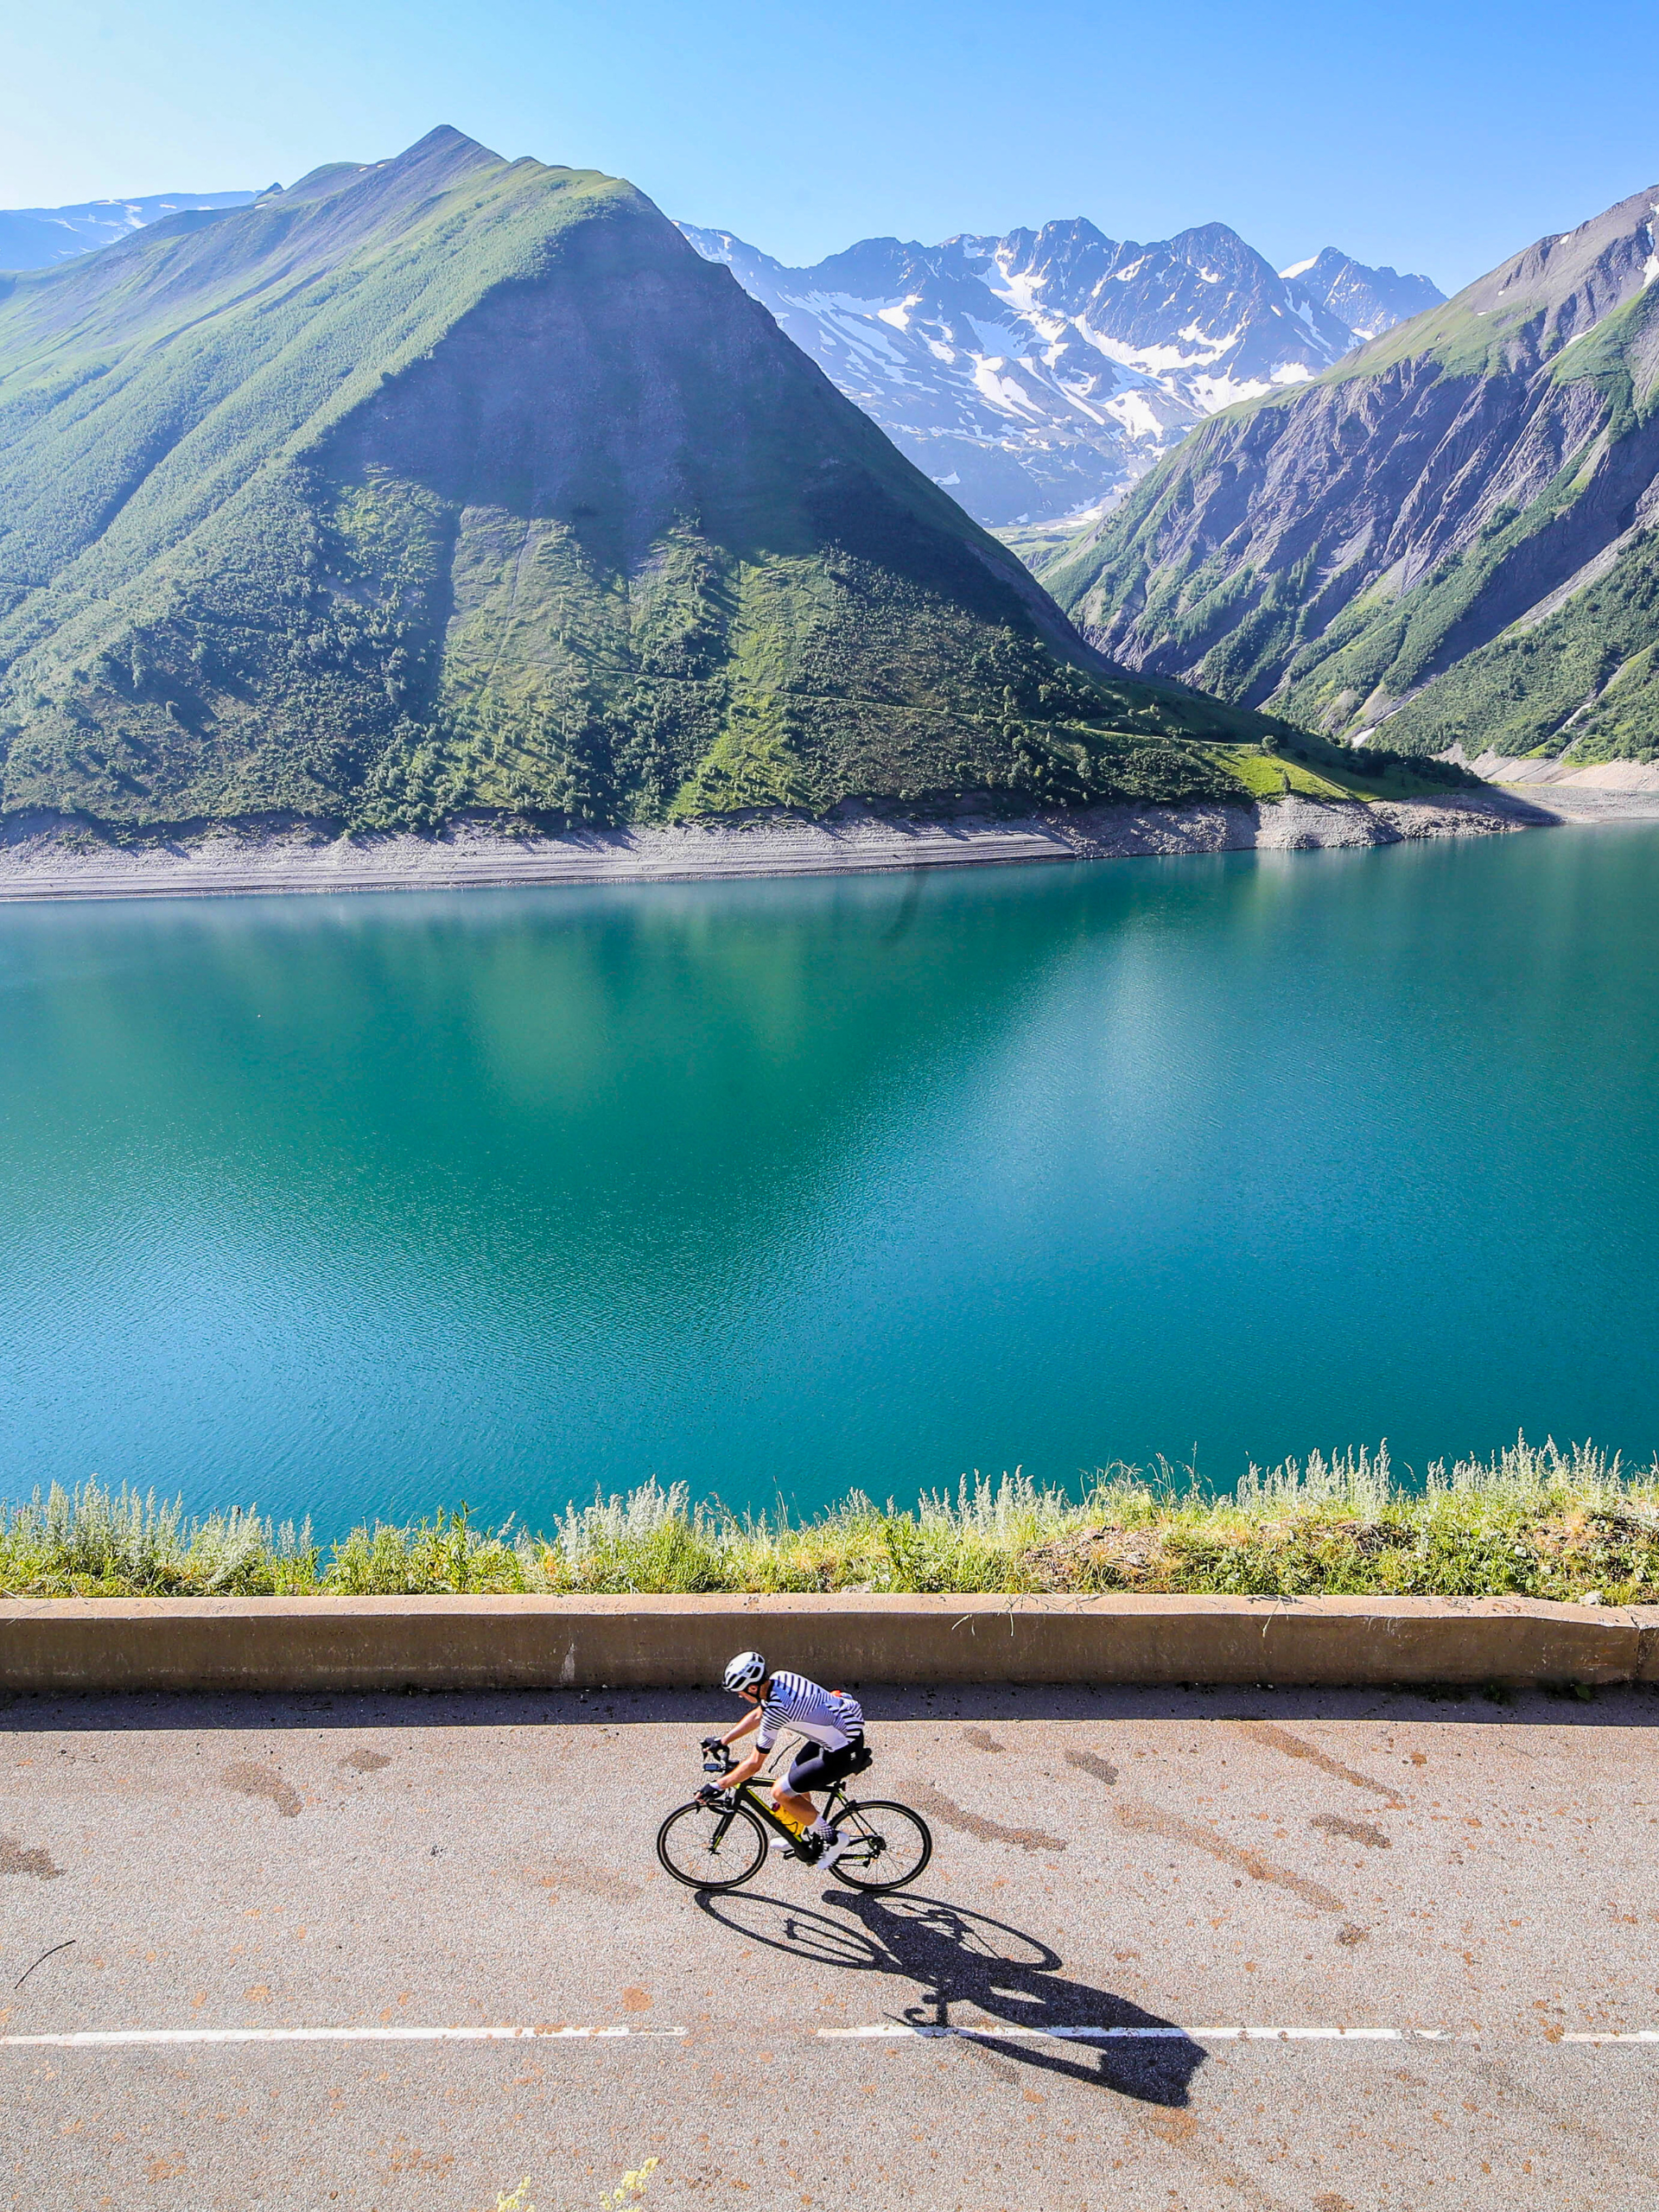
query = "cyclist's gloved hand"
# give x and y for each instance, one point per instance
(714, 1744)
(709, 1794)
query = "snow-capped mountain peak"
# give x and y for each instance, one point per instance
(1369, 301)
(1040, 372)
(34, 237)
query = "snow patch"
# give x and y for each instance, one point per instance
(1213, 393)
(1298, 268)
(998, 338)
(836, 303)
(1137, 418)
(861, 335)
(1017, 290)
(1003, 392)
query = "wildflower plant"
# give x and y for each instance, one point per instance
(632, 2188)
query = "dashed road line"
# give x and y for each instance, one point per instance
(92, 2039)
(995, 2031)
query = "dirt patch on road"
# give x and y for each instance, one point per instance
(365, 1762)
(938, 1806)
(1153, 1820)
(16, 1858)
(1365, 1831)
(1298, 1747)
(251, 1781)
(1102, 1770)
(587, 1882)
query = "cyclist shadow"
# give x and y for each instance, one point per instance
(977, 1973)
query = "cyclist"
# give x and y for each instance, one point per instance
(833, 1723)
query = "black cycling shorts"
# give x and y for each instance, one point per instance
(816, 1768)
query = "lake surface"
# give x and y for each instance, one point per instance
(358, 1205)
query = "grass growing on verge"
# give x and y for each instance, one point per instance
(1532, 1521)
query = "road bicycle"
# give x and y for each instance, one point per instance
(719, 1842)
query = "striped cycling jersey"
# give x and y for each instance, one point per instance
(829, 1717)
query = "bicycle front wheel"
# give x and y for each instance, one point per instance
(888, 1846)
(711, 1846)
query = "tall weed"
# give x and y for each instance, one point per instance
(1536, 1520)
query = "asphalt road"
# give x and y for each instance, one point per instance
(1471, 1883)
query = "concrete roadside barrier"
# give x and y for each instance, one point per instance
(60, 1644)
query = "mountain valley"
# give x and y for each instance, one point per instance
(1450, 536)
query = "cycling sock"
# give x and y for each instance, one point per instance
(821, 1829)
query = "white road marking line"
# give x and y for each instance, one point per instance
(1304, 2035)
(1062, 2035)
(86, 2038)
(886, 2030)
(995, 2032)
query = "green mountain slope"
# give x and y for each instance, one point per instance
(1455, 533)
(450, 483)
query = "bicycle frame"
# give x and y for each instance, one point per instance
(755, 1793)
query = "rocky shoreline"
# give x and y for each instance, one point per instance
(48, 857)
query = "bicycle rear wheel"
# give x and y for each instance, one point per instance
(889, 1845)
(711, 1846)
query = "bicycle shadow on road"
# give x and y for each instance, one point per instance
(975, 1973)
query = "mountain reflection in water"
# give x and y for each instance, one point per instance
(358, 1205)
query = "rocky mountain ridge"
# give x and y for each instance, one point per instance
(34, 237)
(1042, 372)
(1369, 301)
(1452, 533)
(1034, 375)
(450, 485)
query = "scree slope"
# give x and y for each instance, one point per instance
(1450, 534)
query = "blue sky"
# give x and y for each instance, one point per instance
(1435, 134)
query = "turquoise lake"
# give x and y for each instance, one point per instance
(350, 1206)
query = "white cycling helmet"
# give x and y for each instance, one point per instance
(745, 1671)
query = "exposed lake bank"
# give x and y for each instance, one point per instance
(47, 857)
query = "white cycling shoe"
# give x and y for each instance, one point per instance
(833, 1851)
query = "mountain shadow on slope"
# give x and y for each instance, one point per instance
(450, 483)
